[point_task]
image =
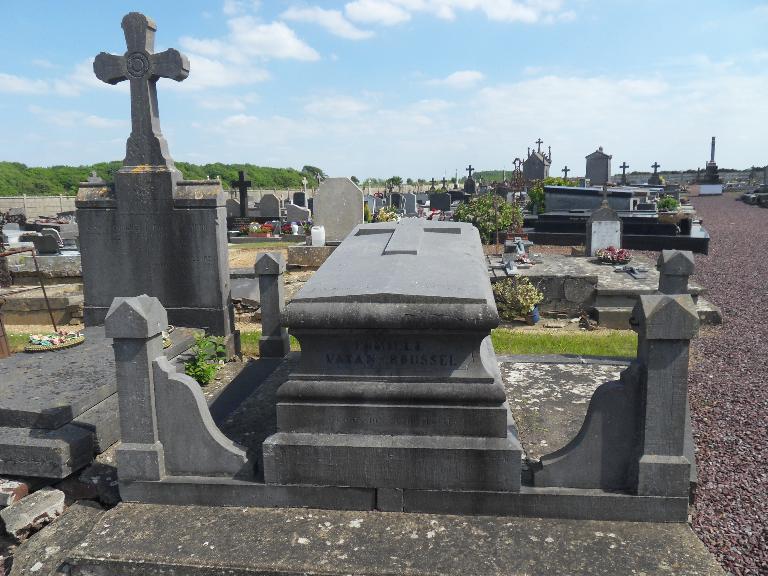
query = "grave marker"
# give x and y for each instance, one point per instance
(339, 207)
(604, 228)
(153, 233)
(242, 186)
(269, 207)
(440, 201)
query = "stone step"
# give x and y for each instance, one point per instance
(617, 317)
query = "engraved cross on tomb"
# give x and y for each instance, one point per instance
(143, 67)
(405, 238)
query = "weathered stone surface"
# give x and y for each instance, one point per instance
(12, 491)
(45, 453)
(604, 228)
(206, 541)
(338, 206)
(309, 256)
(32, 512)
(44, 553)
(295, 213)
(274, 342)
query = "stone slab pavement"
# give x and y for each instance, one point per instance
(155, 539)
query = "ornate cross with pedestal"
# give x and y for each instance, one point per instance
(655, 167)
(565, 171)
(140, 65)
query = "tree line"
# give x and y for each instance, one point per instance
(17, 179)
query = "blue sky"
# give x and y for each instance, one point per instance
(416, 88)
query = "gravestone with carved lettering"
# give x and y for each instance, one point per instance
(153, 232)
(269, 206)
(398, 384)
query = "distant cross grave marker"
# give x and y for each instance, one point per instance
(565, 171)
(655, 167)
(433, 183)
(470, 170)
(242, 185)
(445, 187)
(140, 65)
(539, 142)
(624, 167)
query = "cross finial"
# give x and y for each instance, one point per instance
(539, 142)
(655, 167)
(565, 171)
(140, 65)
(444, 182)
(469, 169)
(624, 167)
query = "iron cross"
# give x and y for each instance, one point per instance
(624, 167)
(140, 65)
(565, 171)
(470, 170)
(242, 185)
(539, 142)
(655, 167)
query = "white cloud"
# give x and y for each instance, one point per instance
(12, 84)
(336, 107)
(390, 12)
(376, 12)
(461, 79)
(332, 20)
(207, 73)
(74, 118)
(227, 102)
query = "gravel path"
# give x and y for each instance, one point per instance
(728, 386)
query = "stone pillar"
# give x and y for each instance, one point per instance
(274, 342)
(675, 266)
(136, 325)
(665, 325)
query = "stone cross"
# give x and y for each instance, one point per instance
(539, 142)
(470, 170)
(655, 167)
(433, 183)
(605, 195)
(405, 238)
(304, 183)
(624, 167)
(140, 65)
(565, 171)
(242, 185)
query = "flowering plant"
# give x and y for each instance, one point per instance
(286, 228)
(613, 255)
(516, 297)
(54, 339)
(386, 214)
(307, 227)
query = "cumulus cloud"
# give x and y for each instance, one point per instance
(377, 12)
(336, 107)
(73, 118)
(332, 20)
(461, 79)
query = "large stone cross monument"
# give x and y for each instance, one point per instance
(153, 233)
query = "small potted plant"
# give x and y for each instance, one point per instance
(668, 208)
(517, 298)
(613, 255)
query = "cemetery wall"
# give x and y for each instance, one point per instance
(38, 205)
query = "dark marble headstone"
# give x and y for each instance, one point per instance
(300, 199)
(153, 233)
(440, 201)
(396, 200)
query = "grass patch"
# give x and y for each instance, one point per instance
(614, 343)
(249, 343)
(17, 342)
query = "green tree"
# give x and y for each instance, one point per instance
(355, 180)
(489, 213)
(314, 172)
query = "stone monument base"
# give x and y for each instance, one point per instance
(376, 461)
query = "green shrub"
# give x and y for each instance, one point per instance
(367, 213)
(209, 353)
(481, 212)
(515, 297)
(667, 204)
(536, 191)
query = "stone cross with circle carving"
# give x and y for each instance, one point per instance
(140, 65)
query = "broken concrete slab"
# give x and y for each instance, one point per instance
(198, 540)
(44, 553)
(32, 512)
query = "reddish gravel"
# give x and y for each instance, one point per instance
(728, 386)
